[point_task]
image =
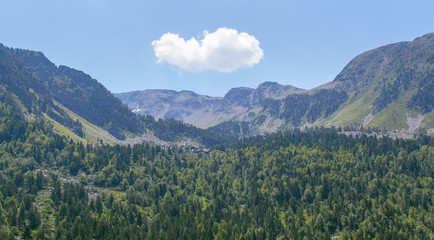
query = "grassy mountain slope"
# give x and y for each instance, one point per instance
(38, 83)
(81, 94)
(391, 87)
(78, 106)
(32, 92)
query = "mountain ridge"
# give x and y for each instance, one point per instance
(79, 107)
(386, 87)
(390, 87)
(27, 73)
(184, 105)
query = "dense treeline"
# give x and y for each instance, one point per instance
(313, 184)
(423, 100)
(232, 130)
(407, 78)
(174, 130)
(320, 104)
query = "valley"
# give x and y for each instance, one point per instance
(350, 159)
(382, 88)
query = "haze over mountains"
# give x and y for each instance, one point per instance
(389, 87)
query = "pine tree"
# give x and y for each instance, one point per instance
(27, 234)
(34, 218)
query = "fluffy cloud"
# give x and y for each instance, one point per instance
(224, 50)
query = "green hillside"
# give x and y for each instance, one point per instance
(81, 108)
(38, 83)
(391, 86)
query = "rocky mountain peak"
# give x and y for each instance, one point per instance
(272, 90)
(241, 96)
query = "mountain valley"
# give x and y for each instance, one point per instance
(390, 87)
(275, 162)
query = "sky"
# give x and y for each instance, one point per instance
(209, 46)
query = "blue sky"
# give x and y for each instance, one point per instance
(304, 43)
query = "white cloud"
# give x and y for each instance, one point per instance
(224, 50)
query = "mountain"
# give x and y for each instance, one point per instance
(297, 110)
(200, 110)
(47, 89)
(81, 108)
(390, 87)
(186, 106)
(312, 184)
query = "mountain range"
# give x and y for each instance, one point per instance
(390, 87)
(76, 163)
(200, 110)
(78, 106)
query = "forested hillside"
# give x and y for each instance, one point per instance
(314, 184)
(176, 132)
(79, 107)
(44, 88)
